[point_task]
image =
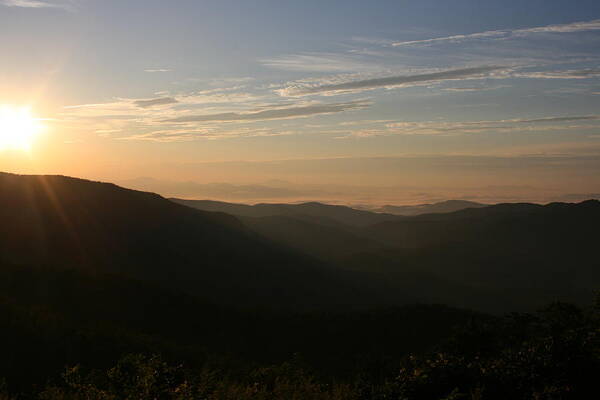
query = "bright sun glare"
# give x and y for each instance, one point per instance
(18, 128)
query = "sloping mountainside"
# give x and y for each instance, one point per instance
(370, 260)
(502, 257)
(532, 251)
(441, 207)
(64, 222)
(310, 212)
(320, 239)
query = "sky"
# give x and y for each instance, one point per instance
(355, 102)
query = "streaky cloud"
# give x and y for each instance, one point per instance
(65, 5)
(552, 123)
(586, 73)
(187, 135)
(498, 34)
(279, 113)
(155, 102)
(559, 119)
(474, 89)
(392, 81)
(319, 62)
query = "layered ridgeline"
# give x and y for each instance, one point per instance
(359, 215)
(90, 272)
(497, 258)
(313, 211)
(501, 257)
(322, 230)
(441, 207)
(528, 251)
(61, 222)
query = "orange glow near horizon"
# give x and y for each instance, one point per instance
(18, 128)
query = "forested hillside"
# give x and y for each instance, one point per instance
(108, 293)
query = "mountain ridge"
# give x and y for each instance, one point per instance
(429, 208)
(483, 258)
(67, 222)
(340, 214)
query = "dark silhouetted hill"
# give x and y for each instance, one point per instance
(64, 222)
(90, 272)
(506, 256)
(316, 237)
(531, 252)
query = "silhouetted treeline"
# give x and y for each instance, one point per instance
(552, 354)
(50, 318)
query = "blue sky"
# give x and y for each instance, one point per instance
(163, 89)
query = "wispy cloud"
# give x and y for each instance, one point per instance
(557, 119)
(155, 102)
(175, 119)
(564, 74)
(444, 128)
(231, 80)
(453, 128)
(465, 89)
(500, 34)
(391, 81)
(218, 96)
(475, 89)
(68, 5)
(168, 136)
(272, 114)
(321, 62)
(155, 70)
(210, 133)
(161, 107)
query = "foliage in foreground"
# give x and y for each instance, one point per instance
(554, 354)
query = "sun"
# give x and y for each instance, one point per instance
(18, 128)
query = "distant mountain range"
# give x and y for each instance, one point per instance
(343, 214)
(501, 255)
(441, 207)
(528, 250)
(301, 256)
(313, 211)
